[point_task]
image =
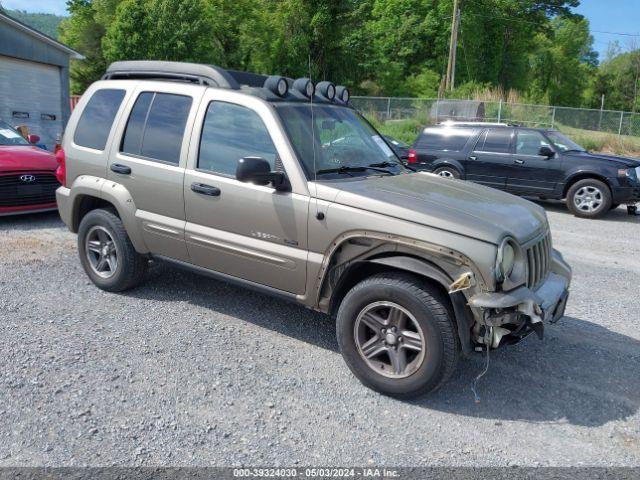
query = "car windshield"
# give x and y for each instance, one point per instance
(563, 143)
(10, 136)
(336, 142)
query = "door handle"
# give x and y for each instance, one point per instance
(123, 169)
(205, 189)
(519, 162)
(473, 157)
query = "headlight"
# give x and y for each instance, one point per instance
(510, 264)
(631, 173)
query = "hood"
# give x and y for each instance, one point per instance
(25, 157)
(623, 162)
(454, 205)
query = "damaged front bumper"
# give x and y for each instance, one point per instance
(507, 317)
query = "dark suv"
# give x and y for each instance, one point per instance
(529, 162)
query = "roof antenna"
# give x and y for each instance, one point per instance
(319, 214)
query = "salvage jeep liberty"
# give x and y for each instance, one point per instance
(279, 185)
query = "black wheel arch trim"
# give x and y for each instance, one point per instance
(447, 162)
(584, 175)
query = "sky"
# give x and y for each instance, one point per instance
(621, 16)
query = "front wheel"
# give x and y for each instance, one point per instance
(589, 198)
(397, 335)
(447, 172)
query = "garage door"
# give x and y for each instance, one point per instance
(30, 94)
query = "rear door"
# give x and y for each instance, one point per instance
(491, 160)
(149, 161)
(533, 174)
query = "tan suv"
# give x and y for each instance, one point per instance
(281, 186)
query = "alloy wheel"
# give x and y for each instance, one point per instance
(445, 174)
(389, 339)
(101, 252)
(588, 199)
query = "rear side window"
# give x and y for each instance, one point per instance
(97, 118)
(444, 139)
(156, 125)
(231, 132)
(496, 140)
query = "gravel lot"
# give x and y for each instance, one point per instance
(187, 370)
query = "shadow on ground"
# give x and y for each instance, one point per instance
(581, 373)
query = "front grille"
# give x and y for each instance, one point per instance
(15, 192)
(538, 262)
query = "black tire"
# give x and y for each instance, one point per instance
(447, 172)
(429, 308)
(614, 206)
(131, 266)
(604, 194)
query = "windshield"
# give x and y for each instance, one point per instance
(10, 136)
(345, 143)
(563, 143)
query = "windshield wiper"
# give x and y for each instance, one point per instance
(575, 150)
(348, 170)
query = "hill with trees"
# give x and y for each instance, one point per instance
(536, 48)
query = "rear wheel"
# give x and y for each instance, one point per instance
(106, 253)
(447, 172)
(397, 336)
(589, 198)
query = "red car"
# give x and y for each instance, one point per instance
(27, 174)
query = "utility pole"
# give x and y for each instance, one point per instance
(453, 47)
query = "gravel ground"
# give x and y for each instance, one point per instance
(187, 370)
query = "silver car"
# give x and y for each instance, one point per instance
(279, 185)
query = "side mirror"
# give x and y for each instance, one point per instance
(257, 170)
(33, 139)
(546, 152)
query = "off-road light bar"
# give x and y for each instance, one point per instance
(342, 93)
(327, 90)
(304, 86)
(277, 85)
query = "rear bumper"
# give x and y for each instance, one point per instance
(25, 209)
(64, 205)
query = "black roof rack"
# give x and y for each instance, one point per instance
(176, 71)
(202, 74)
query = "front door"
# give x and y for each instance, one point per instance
(491, 160)
(533, 174)
(150, 160)
(249, 231)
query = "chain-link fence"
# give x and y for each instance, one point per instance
(432, 111)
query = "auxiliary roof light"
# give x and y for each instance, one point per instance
(343, 94)
(327, 90)
(277, 85)
(304, 86)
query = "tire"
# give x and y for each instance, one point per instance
(447, 172)
(124, 268)
(425, 308)
(584, 195)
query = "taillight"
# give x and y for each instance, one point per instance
(413, 156)
(61, 170)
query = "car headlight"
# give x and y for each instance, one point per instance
(510, 264)
(631, 173)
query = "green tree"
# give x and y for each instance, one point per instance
(163, 30)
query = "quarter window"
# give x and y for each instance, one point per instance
(529, 143)
(156, 125)
(231, 132)
(446, 139)
(496, 140)
(97, 118)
